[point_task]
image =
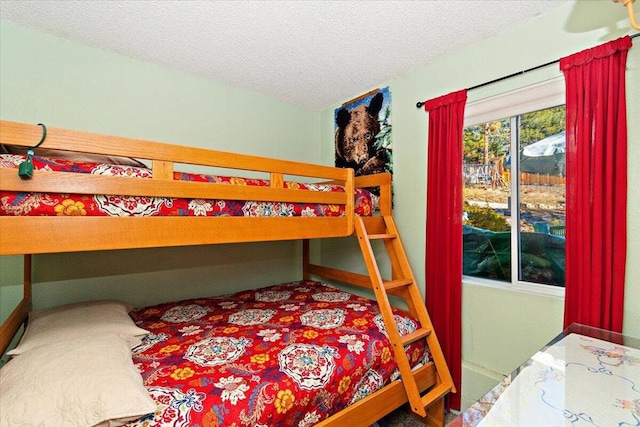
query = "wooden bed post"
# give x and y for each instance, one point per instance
(20, 314)
(26, 281)
(435, 414)
(306, 274)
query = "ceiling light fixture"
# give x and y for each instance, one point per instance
(632, 16)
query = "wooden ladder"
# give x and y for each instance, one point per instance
(404, 285)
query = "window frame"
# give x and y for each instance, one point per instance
(534, 97)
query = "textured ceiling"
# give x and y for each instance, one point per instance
(309, 53)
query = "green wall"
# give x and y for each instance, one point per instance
(64, 84)
(503, 328)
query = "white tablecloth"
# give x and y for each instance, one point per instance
(578, 381)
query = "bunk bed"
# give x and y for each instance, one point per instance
(180, 209)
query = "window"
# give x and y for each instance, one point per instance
(514, 190)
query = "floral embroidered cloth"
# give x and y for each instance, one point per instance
(578, 381)
(286, 355)
(12, 203)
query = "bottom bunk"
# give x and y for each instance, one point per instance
(296, 354)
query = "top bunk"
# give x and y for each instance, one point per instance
(86, 197)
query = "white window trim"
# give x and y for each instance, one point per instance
(534, 97)
(538, 96)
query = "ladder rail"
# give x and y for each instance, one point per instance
(387, 315)
(403, 283)
(422, 315)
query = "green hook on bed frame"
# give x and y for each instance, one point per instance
(25, 170)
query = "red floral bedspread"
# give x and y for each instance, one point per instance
(289, 355)
(21, 204)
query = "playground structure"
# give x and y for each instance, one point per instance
(495, 175)
(540, 163)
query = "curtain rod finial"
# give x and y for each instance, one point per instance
(419, 104)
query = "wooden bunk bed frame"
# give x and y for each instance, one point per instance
(423, 388)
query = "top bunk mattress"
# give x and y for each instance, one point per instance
(60, 204)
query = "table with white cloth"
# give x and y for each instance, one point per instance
(584, 377)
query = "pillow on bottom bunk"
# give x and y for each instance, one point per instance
(91, 318)
(84, 381)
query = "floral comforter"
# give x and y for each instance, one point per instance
(22, 204)
(289, 355)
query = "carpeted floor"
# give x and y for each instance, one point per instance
(402, 418)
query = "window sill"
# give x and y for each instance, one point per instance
(523, 287)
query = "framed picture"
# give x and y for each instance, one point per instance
(363, 133)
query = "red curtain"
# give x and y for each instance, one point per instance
(443, 262)
(596, 158)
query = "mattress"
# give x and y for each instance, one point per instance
(291, 354)
(50, 204)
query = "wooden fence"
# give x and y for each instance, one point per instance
(538, 179)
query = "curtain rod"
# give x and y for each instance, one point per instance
(420, 104)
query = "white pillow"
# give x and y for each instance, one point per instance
(92, 318)
(84, 381)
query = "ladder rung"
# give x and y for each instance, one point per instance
(392, 284)
(435, 393)
(381, 236)
(415, 336)
(401, 277)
